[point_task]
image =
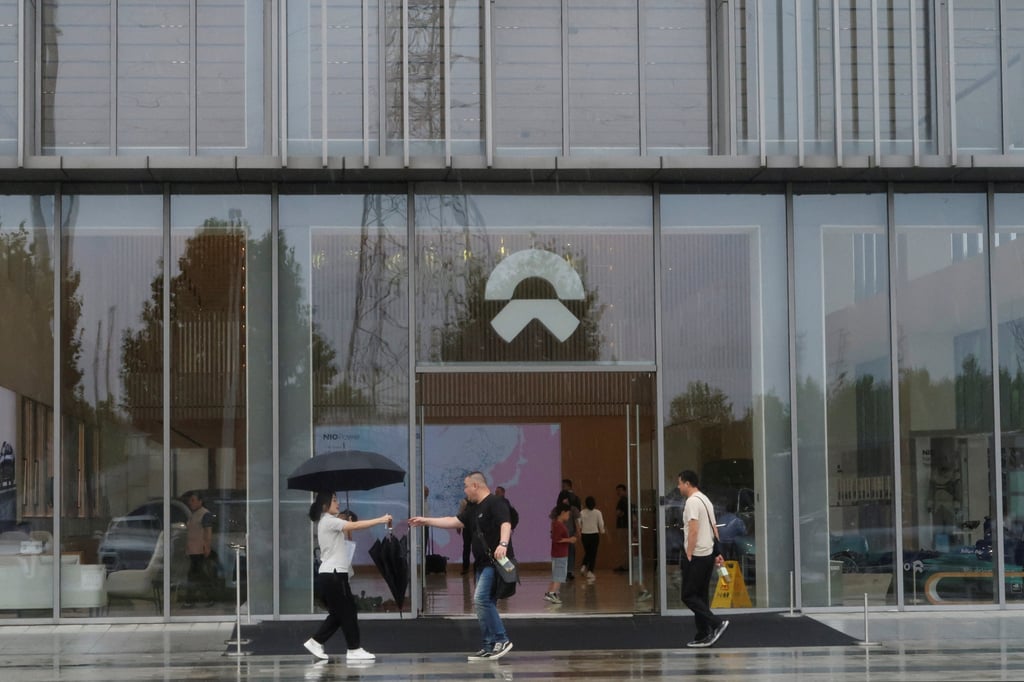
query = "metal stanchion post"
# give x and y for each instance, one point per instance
(866, 641)
(792, 598)
(238, 641)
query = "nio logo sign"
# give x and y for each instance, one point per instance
(514, 317)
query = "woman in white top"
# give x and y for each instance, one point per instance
(333, 532)
(591, 530)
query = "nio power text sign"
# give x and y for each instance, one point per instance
(551, 313)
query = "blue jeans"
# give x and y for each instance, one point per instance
(486, 607)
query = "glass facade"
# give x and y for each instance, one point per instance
(775, 243)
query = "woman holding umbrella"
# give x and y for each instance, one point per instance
(336, 551)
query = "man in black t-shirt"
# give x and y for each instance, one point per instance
(486, 520)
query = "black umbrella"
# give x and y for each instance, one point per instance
(345, 470)
(390, 555)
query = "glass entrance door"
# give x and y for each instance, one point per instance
(535, 434)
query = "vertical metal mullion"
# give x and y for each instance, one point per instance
(565, 78)
(282, 67)
(659, 438)
(717, 106)
(793, 390)
(837, 81)
(799, 45)
(488, 85)
(1004, 105)
(115, 9)
(382, 78)
(166, 393)
(22, 61)
(277, 71)
(447, 85)
(58, 400)
(193, 85)
(405, 83)
(952, 83)
(762, 144)
(414, 461)
(323, 83)
(997, 422)
(275, 397)
(875, 99)
(365, 55)
(641, 75)
(894, 373)
(731, 78)
(915, 133)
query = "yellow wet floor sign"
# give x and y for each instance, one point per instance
(731, 594)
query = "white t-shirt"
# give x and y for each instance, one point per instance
(336, 550)
(591, 521)
(699, 507)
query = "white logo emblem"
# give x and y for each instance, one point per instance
(551, 313)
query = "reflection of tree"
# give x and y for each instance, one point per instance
(700, 403)
(453, 278)
(26, 297)
(208, 332)
(703, 424)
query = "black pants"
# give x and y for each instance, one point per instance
(200, 584)
(590, 543)
(341, 609)
(696, 582)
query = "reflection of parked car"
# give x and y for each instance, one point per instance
(6, 465)
(130, 540)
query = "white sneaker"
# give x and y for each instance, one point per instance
(316, 648)
(359, 654)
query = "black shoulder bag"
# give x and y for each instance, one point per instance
(507, 571)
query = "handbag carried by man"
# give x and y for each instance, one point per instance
(506, 570)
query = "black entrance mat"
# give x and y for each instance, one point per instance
(440, 635)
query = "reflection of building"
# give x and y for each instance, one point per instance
(795, 235)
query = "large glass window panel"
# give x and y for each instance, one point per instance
(725, 381)
(75, 104)
(816, 70)
(1008, 291)
(538, 278)
(604, 107)
(26, 406)
(945, 396)
(344, 379)
(978, 88)
(466, 78)
(153, 74)
(844, 400)
(1013, 44)
(209, 445)
(426, 62)
(231, 50)
(745, 82)
(678, 81)
(780, 73)
(11, 59)
(856, 76)
(528, 77)
(111, 376)
(325, 76)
